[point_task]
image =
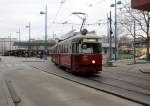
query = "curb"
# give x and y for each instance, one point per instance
(8, 96)
(145, 72)
(16, 99)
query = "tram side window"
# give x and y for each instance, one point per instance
(66, 49)
(70, 49)
(75, 48)
(56, 49)
(61, 49)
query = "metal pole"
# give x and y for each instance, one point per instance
(10, 45)
(110, 38)
(109, 60)
(29, 32)
(19, 35)
(134, 61)
(108, 35)
(45, 32)
(10, 41)
(45, 28)
(29, 35)
(4, 47)
(116, 48)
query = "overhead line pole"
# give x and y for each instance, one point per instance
(134, 61)
(110, 39)
(45, 28)
(45, 43)
(116, 42)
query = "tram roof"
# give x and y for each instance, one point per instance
(78, 36)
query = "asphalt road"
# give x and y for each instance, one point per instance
(37, 88)
(129, 84)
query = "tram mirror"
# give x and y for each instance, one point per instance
(84, 46)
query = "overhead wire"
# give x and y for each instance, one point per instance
(89, 6)
(62, 2)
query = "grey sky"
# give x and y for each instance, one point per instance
(17, 13)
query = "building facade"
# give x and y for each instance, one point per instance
(7, 44)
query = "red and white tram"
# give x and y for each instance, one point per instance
(79, 53)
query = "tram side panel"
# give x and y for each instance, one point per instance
(65, 60)
(55, 58)
(75, 63)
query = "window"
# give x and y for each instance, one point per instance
(91, 48)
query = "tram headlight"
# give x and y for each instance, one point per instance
(93, 61)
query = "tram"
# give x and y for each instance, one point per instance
(79, 53)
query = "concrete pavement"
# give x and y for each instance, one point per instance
(141, 66)
(37, 88)
(5, 97)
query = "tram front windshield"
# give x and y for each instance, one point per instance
(91, 48)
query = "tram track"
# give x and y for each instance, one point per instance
(131, 74)
(117, 86)
(122, 80)
(98, 86)
(131, 80)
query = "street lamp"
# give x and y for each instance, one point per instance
(29, 26)
(45, 13)
(116, 46)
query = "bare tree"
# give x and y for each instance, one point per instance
(142, 19)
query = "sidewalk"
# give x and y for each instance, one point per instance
(127, 65)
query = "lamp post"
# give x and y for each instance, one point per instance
(29, 26)
(116, 36)
(45, 13)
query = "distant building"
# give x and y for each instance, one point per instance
(141, 42)
(7, 44)
(35, 44)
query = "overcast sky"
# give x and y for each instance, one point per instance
(15, 14)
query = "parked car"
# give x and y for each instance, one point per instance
(144, 57)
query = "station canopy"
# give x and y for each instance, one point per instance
(141, 4)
